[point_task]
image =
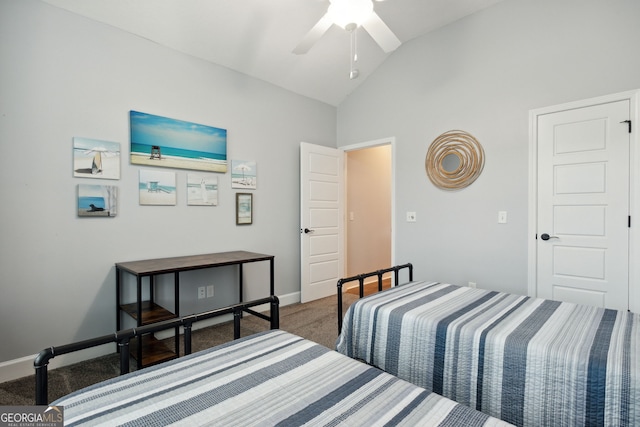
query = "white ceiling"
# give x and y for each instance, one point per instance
(256, 37)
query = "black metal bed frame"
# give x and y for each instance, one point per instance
(360, 278)
(123, 337)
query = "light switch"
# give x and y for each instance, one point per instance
(502, 217)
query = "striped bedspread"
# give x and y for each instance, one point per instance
(271, 378)
(528, 361)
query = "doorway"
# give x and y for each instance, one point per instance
(323, 215)
(369, 187)
(368, 209)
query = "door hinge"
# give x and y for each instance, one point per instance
(628, 122)
(629, 222)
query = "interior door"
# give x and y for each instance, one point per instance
(583, 205)
(321, 220)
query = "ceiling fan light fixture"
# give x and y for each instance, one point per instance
(345, 12)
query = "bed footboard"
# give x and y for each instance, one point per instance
(360, 278)
(122, 338)
(528, 361)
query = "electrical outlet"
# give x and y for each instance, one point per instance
(472, 284)
(209, 291)
(202, 292)
(411, 217)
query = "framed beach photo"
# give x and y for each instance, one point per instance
(164, 142)
(244, 208)
(94, 158)
(202, 189)
(97, 200)
(243, 174)
(157, 188)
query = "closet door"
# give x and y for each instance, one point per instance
(583, 205)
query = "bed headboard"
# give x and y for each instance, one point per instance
(360, 278)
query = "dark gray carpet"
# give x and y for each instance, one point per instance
(316, 321)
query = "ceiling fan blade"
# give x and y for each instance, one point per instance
(314, 35)
(376, 27)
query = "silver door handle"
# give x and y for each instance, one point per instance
(545, 236)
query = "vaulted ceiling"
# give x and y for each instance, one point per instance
(257, 37)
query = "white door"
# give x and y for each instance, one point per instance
(583, 205)
(321, 220)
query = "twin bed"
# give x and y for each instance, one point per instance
(435, 354)
(269, 378)
(527, 361)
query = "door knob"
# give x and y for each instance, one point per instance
(545, 236)
(307, 231)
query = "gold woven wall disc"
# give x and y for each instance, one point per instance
(448, 172)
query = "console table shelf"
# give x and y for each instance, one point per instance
(155, 351)
(147, 350)
(151, 312)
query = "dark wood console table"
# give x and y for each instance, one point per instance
(147, 312)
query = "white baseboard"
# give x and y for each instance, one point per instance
(23, 367)
(16, 368)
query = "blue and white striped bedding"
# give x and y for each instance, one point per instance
(528, 361)
(271, 378)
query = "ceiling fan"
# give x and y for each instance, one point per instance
(351, 14)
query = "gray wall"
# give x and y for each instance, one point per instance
(63, 76)
(483, 74)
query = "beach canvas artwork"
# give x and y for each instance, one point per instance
(244, 174)
(244, 208)
(97, 200)
(165, 142)
(202, 189)
(157, 188)
(93, 158)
